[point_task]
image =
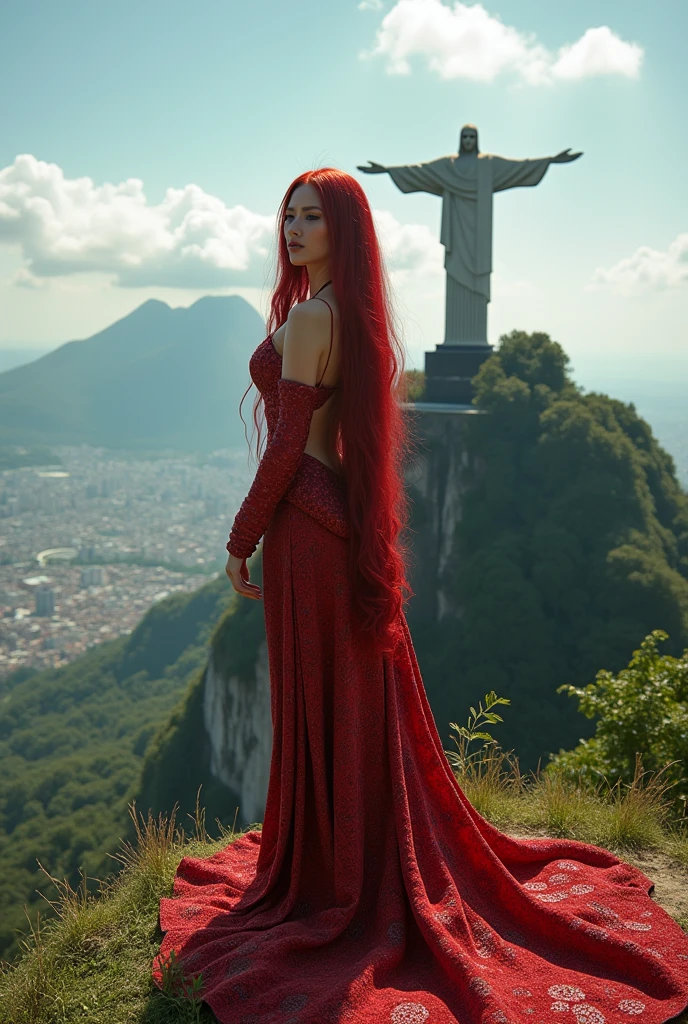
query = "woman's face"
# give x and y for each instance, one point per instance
(304, 223)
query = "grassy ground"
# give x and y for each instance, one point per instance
(92, 963)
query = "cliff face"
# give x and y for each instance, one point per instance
(437, 480)
(219, 736)
(238, 726)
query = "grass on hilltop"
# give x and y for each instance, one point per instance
(623, 817)
(92, 963)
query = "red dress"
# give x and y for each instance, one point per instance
(375, 893)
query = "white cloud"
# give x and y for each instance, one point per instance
(598, 52)
(466, 41)
(190, 240)
(370, 5)
(408, 247)
(25, 279)
(647, 269)
(66, 226)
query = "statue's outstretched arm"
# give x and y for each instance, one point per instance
(409, 177)
(565, 156)
(508, 173)
(373, 168)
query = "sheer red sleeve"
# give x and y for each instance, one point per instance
(277, 467)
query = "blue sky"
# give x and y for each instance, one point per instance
(146, 148)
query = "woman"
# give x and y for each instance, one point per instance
(375, 892)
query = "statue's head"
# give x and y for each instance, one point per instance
(468, 140)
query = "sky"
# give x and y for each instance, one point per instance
(145, 149)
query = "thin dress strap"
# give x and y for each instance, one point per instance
(331, 336)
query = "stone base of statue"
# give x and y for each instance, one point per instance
(450, 369)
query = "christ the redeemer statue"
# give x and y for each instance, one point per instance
(466, 181)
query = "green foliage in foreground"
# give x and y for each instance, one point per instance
(622, 815)
(72, 743)
(572, 543)
(644, 707)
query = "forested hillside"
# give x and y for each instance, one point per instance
(573, 546)
(72, 743)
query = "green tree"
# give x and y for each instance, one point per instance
(642, 709)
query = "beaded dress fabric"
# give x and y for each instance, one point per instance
(375, 893)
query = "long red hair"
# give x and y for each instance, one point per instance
(369, 429)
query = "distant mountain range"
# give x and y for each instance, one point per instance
(158, 378)
(173, 378)
(11, 356)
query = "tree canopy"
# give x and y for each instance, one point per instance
(572, 544)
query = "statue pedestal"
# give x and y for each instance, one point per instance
(449, 371)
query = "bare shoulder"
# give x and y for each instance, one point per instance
(306, 340)
(308, 326)
(310, 316)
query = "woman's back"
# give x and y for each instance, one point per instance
(320, 442)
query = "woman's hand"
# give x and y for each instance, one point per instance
(237, 570)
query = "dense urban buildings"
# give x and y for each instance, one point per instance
(89, 544)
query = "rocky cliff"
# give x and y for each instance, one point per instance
(437, 479)
(238, 726)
